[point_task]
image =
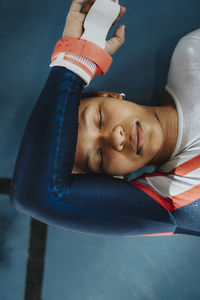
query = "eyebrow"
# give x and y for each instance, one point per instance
(87, 159)
(83, 116)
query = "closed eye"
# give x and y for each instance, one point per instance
(100, 119)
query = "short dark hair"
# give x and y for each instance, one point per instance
(89, 94)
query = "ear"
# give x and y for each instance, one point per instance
(111, 94)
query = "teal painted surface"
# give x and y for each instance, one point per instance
(80, 266)
(14, 239)
(90, 267)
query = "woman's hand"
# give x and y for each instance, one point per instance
(75, 20)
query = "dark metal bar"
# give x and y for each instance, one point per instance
(36, 259)
(5, 185)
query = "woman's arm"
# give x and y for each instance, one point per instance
(42, 184)
(44, 187)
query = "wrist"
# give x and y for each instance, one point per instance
(83, 67)
(82, 57)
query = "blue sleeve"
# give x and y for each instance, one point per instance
(43, 186)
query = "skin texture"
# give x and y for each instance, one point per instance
(112, 136)
(75, 20)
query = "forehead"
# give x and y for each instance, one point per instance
(112, 105)
(93, 99)
(99, 99)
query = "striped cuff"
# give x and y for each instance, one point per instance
(80, 65)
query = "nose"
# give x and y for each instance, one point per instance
(116, 138)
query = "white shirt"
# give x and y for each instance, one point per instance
(176, 183)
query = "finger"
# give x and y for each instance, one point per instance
(121, 13)
(76, 6)
(119, 35)
(87, 5)
(116, 41)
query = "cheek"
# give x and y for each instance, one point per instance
(115, 113)
(123, 163)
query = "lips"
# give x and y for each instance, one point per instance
(137, 138)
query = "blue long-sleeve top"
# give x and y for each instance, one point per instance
(44, 187)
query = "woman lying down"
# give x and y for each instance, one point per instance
(78, 158)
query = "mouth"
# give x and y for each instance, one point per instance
(137, 138)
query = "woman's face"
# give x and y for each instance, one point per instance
(107, 130)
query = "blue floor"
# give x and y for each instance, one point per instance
(81, 266)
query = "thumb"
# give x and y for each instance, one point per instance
(116, 41)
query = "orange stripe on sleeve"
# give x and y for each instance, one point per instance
(164, 202)
(158, 234)
(186, 197)
(174, 202)
(183, 169)
(187, 167)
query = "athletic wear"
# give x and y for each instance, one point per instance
(76, 63)
(178, 180)
(96, 26)
(44, 187)
(99, 20)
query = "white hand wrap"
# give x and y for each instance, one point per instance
(99, 19)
